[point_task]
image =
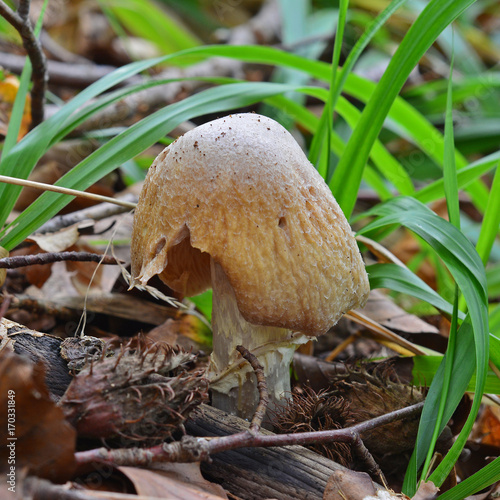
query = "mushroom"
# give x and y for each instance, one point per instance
(234, 204)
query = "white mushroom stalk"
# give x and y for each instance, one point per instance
(235, 205)
(233, 382)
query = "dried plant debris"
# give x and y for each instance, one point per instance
(142, 393)
(37, 438)
(375, 391)
(354, 395)
(80, 351)
(309, 411)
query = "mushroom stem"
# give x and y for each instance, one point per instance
(236, 392)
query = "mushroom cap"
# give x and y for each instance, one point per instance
(241, 191)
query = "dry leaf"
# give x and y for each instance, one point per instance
(9, 85)
(383, 310)
(426, 491)
(348, 485)
(182, 481)
(59, 241)
(37, 435)
(489, 426)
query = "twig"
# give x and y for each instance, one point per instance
(49, 258)
(21, 22)
(97, 212)
(260, 411)
(59, 52)
(260, 29)
(24, 9)
(366, 457)
(190, 449)
(79, 75)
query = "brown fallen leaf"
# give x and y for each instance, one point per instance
(9, 85)
(348, 485)
(181, 481)
(37, 435)
(382, 309)
(488, 426)
(426, 491)
(185, 330)
(58, 241)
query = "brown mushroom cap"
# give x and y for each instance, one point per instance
(240, 190)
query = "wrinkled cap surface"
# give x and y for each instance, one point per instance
(240, 190)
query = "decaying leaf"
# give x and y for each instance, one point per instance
(487, 427)
(348, 485)
(382, 309)
(182, 481)
(9, 86)
(426, 491)
(34, 428)
(59, 241)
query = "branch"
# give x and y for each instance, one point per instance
(10, 16)
(79, 75)
(24, 9)
(191, 449)
(96, 212)
(260, 412)
(262, 28)
(21, 22)
(49, 258)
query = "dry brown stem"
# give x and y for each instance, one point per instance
(192, 449)
(21, 22)
(260, 411)
(50, 257)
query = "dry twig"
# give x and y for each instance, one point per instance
(78, 75)
(192, 449)
(49, 258)
(21, 22)
(96, 212)
(260, 411)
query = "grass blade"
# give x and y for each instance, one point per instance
(431, 22)
(325, 128)
(401, 279)
(485, 477)
(467, 269)
(491, 220)
(133, 141)
(451, 191)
